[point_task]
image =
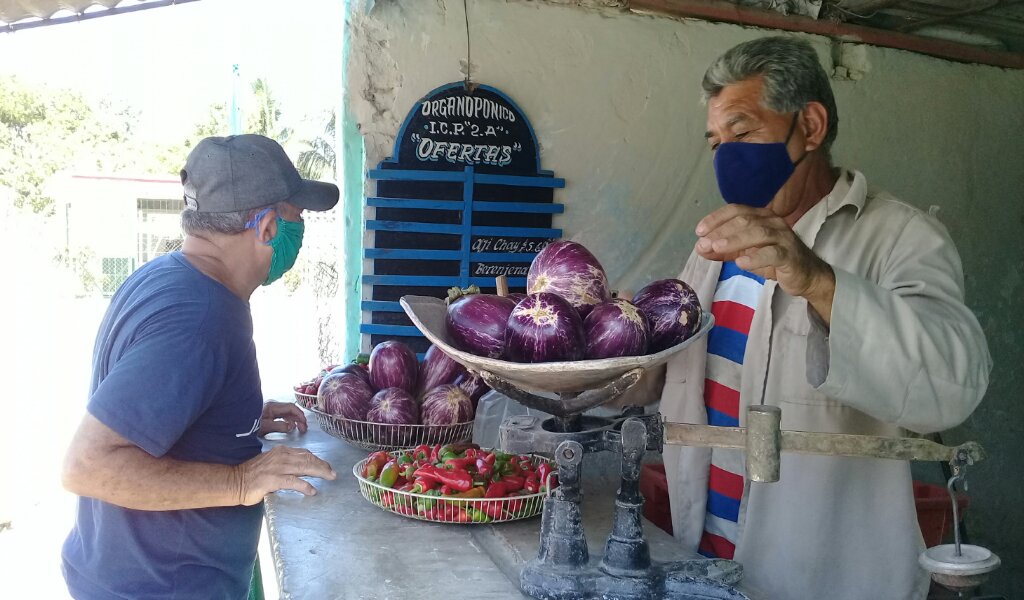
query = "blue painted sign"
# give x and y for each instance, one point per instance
(462, 201)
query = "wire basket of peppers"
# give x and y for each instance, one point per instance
(384, 436)
(456, 483)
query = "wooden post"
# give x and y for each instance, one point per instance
(502, 284)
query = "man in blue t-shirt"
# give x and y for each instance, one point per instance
(167, 460)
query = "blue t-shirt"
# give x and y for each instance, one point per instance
(174, 371)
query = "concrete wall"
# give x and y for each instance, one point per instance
(613, 97)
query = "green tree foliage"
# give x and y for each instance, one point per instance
(48, 130)
(265, 118)
(318, 160)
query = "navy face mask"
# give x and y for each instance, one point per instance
(751, 174)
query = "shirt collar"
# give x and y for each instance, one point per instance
(850, 190)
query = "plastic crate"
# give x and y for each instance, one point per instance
(934, 509)
(654, 488)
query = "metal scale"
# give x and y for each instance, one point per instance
(564, 569)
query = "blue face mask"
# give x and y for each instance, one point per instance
(752, 174)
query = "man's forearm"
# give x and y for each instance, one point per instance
(130, 477)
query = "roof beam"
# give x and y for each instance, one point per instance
(714, 10)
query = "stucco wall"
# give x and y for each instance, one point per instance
(613, 97)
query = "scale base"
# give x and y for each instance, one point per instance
(959, 573)
(703, 579)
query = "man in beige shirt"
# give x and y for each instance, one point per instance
(859, 326)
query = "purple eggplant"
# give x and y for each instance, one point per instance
(544, 328)
(393, 406)
(476, 323)
(446, 405)
(473, 385)
(572, 272)
(673, 311)
(393, 365)
(616, 328)
(356, 370)
(345, 394)
(517, 297)
(437, 369)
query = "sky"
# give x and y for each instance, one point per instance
(170, 64)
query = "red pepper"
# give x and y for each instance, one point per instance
(493, 509)
(428, 472)
(458, 479)
(446, 490)
(433, 515)
(531, 485)
(421, 452)
(471, 453)
(483, 468)
(434, 452)
(553, 483)
(542, 472)
(496, 490)
(387, 499)
(375, 462)
(489, 458)
(513, 483)
(422, 485)
(454, 514)
(459, 463)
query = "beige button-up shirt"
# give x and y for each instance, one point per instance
(903, 353)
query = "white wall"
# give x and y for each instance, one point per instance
(614, 99)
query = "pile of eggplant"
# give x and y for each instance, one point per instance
(569, 314)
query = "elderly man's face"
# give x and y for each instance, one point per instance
(737, 115)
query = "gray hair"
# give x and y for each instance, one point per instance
(792, 77)
(194, 222)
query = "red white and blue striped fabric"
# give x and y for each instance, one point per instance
(734, 304)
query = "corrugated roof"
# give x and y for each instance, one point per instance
(23, 14)
(12, 11)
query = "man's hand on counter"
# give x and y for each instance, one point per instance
(763, 243)
(280, 468)
(281, 417)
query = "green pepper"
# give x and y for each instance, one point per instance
(388, 475)
(404, 458)
(431, 502)
(478, 516)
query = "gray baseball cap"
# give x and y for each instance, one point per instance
(240, 172)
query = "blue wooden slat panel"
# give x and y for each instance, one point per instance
(426, 280)
(402, 330)
(519, 207)
(489, 281)
(391, 175)
(375, 225)
(380, 306)
(519, 180)
(467, 227)
(501, 257)
(518, 231)
(411, 254)
(379, 202)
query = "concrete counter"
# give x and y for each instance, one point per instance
(338, 545)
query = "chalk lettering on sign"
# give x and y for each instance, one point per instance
(467, 107)
(485, 270)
